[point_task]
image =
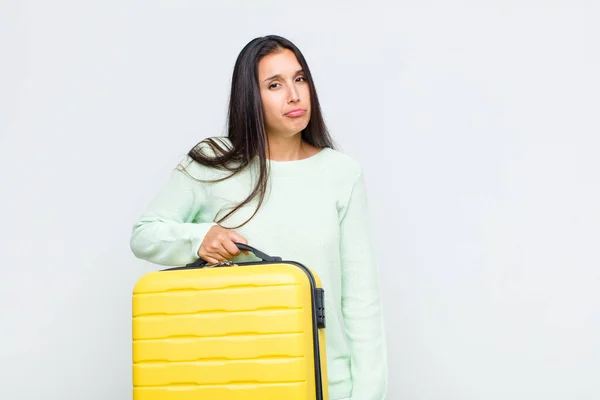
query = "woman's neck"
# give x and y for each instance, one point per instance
(289, 148)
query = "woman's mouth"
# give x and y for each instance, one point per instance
(298, 112)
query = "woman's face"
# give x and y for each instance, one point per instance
(283, 88)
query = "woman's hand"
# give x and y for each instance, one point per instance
(218, 245)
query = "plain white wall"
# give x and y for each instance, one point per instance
(477, 124)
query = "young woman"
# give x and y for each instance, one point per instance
(281, 187)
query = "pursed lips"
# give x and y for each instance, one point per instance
(295, 112)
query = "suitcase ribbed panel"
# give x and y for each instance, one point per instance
(235, 333)
(228, 347)
(230, 392)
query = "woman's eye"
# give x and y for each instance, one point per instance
(274, 85)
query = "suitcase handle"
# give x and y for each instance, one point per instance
(257, 253)
(199, 263)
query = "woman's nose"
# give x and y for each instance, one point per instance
(294, 96)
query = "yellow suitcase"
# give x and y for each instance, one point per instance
(246, 331)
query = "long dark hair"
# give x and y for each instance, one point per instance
(246, 129)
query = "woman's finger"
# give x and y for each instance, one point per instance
(231, 248)
(221, 253)
(210, 260)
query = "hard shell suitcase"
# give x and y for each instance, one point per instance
(247, 331)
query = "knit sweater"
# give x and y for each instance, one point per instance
(315, 212)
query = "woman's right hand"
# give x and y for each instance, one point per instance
(219, 245)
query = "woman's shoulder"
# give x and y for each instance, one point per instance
(342, 164)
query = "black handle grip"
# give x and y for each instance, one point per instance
(265, 257)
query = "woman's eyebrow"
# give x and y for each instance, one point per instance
(279, 75)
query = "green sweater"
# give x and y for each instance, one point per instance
(315, 212)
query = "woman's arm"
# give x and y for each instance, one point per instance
(361, 299)
(165, 233)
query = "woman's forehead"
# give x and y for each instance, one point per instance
(281, 63)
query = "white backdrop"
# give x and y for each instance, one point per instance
(477, 125)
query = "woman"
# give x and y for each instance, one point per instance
(284, 189)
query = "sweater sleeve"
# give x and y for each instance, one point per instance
(167, 233)
(361, 300)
